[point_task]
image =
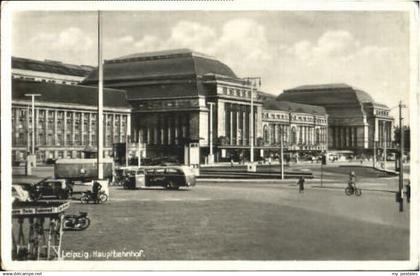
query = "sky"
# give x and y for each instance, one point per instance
(365, 49)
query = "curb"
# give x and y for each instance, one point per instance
(248, 180)
(363, 189)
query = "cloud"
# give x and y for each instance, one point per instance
(68, 39)
(70, 45)
(338, 44)
(241, 43)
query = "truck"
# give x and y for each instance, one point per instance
(83, 170)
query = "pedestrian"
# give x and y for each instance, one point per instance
(231, 162)
(301, 183)
(408, 191)
(95, 191)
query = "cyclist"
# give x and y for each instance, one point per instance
(352, 180)
(95, 190)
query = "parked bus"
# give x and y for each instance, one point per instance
(169, 177)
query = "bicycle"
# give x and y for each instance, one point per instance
(350, 190)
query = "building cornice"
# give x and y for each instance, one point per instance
(69, 106)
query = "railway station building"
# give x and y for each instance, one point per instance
(179, 104)
(356, 122)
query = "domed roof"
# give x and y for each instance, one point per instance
(158, 65)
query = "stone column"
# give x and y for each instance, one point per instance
(65, 129)
(55, 127)
(244, 134)
(122, 130)
(82, 128)
(89, 130)
(113, 128)
(15, 140)
(231, 127)
(73, 128)
(238, 112)
(176, 131)
(45, 128)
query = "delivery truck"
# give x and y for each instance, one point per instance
(82, 169)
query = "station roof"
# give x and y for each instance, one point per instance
(327, 94)
(160, 65)
(293, 107)
(51, 66)
(67, 94)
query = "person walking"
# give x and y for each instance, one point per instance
(301, 183)
(95, 191)
(408, 191)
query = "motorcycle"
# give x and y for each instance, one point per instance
(76, 222)
(350, 190)
(88, 197)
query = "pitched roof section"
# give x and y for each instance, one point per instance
(68, 94)
(51, 66)
(321, 86)
(161, 54)
(293, 107)
(172, 64)
(326, 94)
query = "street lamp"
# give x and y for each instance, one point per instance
(252, 81)
(401, 174)
(33, 162)
(100, 101)
(281, 154)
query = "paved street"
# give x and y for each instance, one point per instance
(245, 221)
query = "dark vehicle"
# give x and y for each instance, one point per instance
(76, 222)
(59, 188)
(170, 177)
(50, 161)
(87, 197)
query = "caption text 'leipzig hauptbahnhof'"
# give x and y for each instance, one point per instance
(178, 103)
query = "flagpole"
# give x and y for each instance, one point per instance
(100, 100)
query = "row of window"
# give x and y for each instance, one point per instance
(294, 117)
(21, 139)
(168, 104)
(43, 155)
(243, 93)
(382, 112)
(45, 80)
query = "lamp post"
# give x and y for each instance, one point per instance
(281, 154)
(100, 101)
(31, 161)
(211, 156)
(401, 173)
(385, 141)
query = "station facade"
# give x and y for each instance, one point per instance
(184, 105)
(356, 122)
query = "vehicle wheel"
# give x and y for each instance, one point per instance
(84, 223)
(63, 196)
(348, 191)
(358, 192)
(103, 198)
(171, 185)
(84, 199)
(36, 196)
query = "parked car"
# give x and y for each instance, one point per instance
(59, 188)
(19, 193)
